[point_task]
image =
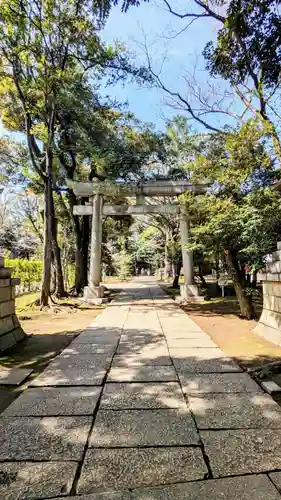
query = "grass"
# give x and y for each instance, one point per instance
(24, 300)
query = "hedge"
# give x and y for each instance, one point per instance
(29, 272)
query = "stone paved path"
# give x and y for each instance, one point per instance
(141, 406)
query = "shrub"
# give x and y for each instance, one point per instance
(123, 264)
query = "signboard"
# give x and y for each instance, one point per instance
(222, 282)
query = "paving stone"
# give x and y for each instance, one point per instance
(143, 374)
(148, 359)
(55, 401)
(141, 336)
(107, 495)
(142, 396)
(69, 376)
(137, 467)
(101, 340)
(234, 411)
(159, 347)
(31, 481)
(143, 428)
(234, 488)
(90, 349)
(90, 361)
(99, 336)
(217, 383)
(13, 376)
(235, 452)
(204, 361)
(175, 346)
(47, 438)
(186, 343)
(269, 386)
(276, 478)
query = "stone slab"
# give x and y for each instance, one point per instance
(34, 481)
(75, 349)
(204, 361)
(47, 438)
(69, 376)
(148, 359)
(13, 376)
(159, 347)
(6, 325)
(236, 452)
(107, 495)
(129, 428)
(7, 308)
(142, 396)
(143, 374)
(256, 487)
(5, 294)
(141, 336)
(89, 361)
(49, 401)
(6, 341)
(235, 411)
(270, 387)
(276, 479)
(200, 341)
(96, 339)
(218, 383)
(138, 467)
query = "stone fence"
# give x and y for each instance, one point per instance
(10, 329)
(269, 325)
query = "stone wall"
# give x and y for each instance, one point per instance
(10, 329)
(269, 325)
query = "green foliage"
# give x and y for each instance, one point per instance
(250, 39)
(149, 247)
(123, 264)
(29, 272)
(240, 212)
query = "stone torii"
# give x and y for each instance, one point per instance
(94, 292)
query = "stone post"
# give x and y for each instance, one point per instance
(269, 325)
(10, 330)
(189, 289)
(94, 292)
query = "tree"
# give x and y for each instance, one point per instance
(47, 50)
(240, 215)
(247, 54)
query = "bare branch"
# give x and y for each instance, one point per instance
(207, 11)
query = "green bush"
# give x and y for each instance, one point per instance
(29, 272)
(123, 264)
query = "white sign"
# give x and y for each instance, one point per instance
(223, 280)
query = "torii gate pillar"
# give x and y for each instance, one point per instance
(189, 289)
(94, 292)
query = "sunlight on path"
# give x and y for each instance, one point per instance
(142, 405)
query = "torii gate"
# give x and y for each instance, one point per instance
(94, 292)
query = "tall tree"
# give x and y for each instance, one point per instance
(240, 215)
(46, 47)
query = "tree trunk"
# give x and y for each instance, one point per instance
(201, 275)
(81, 228)
(177, 275)
(255, 275)
(166, 258)
(47, 243)
(245, 301)
(53, 276)
(59, 290)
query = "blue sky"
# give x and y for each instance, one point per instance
(152, 22)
